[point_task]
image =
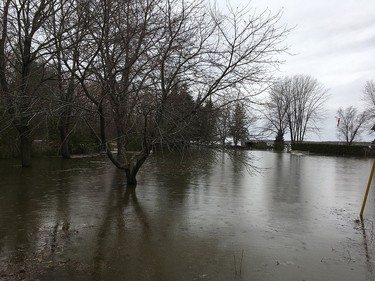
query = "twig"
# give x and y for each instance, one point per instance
(241, 263)
(235, 266)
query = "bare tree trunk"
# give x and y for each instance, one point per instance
(65, 117)
(25, 146)
(131, 179)
(103, 146)
(64, 148)
(133, 167)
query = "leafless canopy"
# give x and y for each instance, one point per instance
(350, 124)
(296, 104)
(369, 97)
(24, 54)
(275, 109)
(136, 60)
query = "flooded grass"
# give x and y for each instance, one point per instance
(197, 219)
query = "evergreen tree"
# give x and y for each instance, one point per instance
(279, 141)
(238, 128)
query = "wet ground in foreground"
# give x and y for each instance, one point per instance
(197, 218)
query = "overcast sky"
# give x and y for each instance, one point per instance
(333, 41)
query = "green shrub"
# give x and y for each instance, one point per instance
(261, 146)
(83, 141)
(334, 149)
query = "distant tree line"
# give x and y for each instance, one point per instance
(295, 106)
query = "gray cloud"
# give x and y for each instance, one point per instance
(334, 41)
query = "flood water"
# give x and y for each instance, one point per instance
(200, 217)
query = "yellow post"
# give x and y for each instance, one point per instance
(367, 190)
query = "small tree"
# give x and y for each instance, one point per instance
(239, 122)
(279, 141)
(351, 124)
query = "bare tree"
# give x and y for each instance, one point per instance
(275, 110)
(135, 56)
(63, 25)
(113, 62)
(134, 61)
(307, 97)
(350, 124)
(23, 57)
(295, 104)
(369, 97)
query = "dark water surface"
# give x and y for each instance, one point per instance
(192, 219)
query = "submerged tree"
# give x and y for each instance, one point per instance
(65, 26)
(23, 58)
(350, 124)
(135, 61)
(137, 55)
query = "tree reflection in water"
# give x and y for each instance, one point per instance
(121, 199)
(187, 221)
